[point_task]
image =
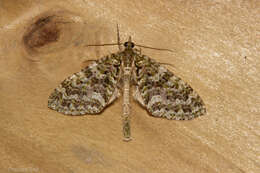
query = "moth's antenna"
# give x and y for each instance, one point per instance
(163, 63)
(154, 48)
(106, 44)
(118, 38)
(130, 39)
(109, 44)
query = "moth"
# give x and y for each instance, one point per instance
(158, 90)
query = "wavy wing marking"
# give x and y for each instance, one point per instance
(90, 90)
(164, 94)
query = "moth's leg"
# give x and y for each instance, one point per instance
(138, 97)
(120, 79)
(115, 95)
(134, 76)
(134, 79)
(136, 93)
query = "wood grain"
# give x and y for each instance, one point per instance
(216, 50)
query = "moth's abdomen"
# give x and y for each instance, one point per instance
(126, 104)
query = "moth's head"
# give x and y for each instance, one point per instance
(129, 44)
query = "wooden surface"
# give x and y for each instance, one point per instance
(216, 50)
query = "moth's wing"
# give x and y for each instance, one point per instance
(90, 90)
(164, 94)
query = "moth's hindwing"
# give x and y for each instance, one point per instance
(164, 94)
(90, 90)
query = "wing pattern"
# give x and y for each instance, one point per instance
(164, 94)
(90, 90)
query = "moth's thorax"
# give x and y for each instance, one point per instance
(128, 57)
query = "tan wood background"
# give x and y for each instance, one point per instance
(216, 50)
